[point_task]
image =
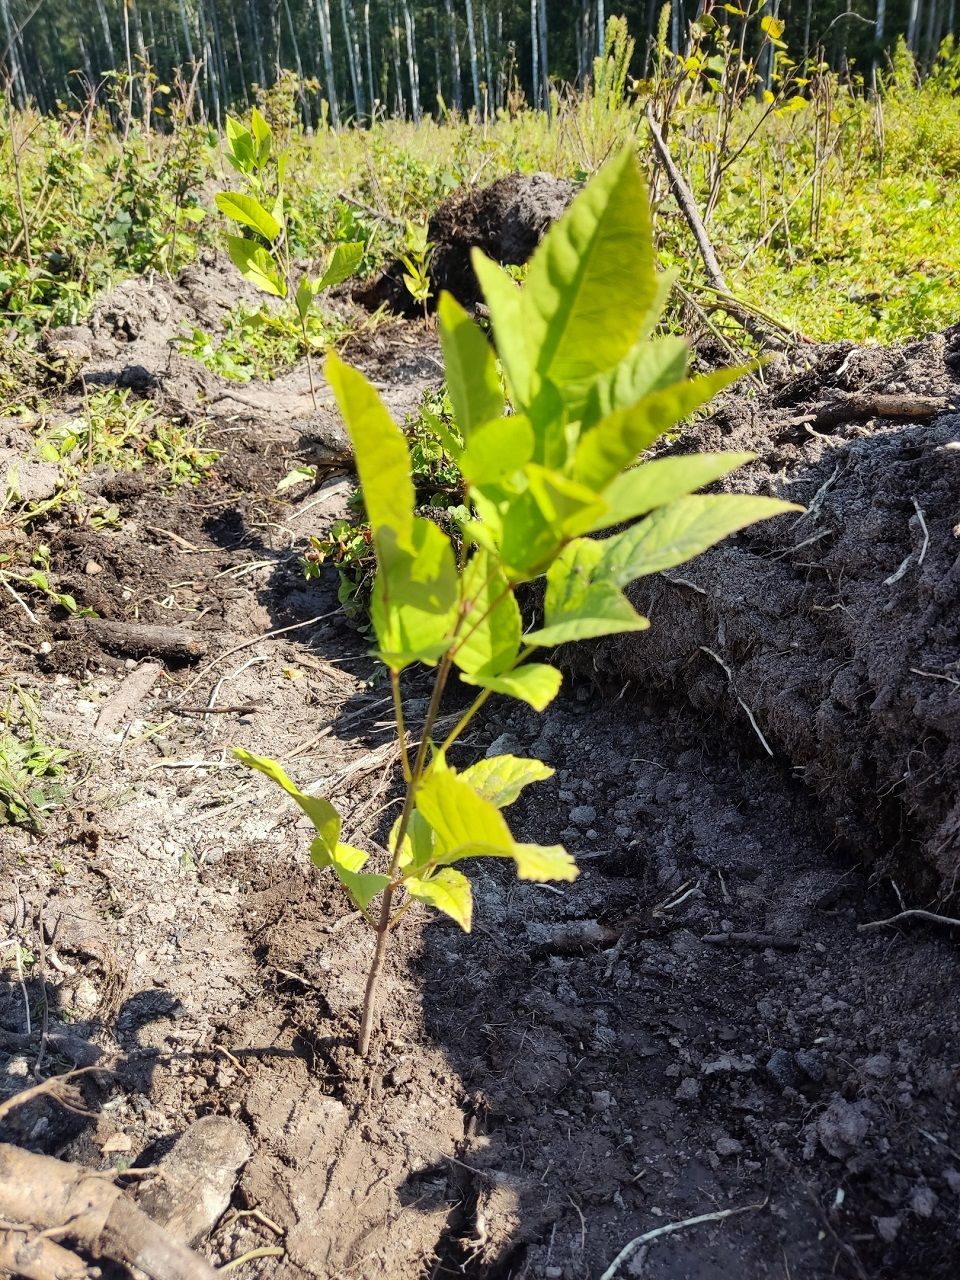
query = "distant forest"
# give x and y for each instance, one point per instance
(399, 57)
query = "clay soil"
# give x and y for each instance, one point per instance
(699, 1024)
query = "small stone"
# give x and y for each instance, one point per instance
(782, 1068)
(887, 1229)
(877, 1067)
(86, 994)
(584, 815)
(842, 1128)
(92, 568)
(601, 1100)
(117, 1143)
(553, 1273)
(507, 744)
(689, 1090)
(810, 1064)
(952, 1178)
(923, 1201)
(727, 1146)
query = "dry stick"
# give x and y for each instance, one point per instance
(687, 205)
(914, 913)
(629, 1249)
(24, 1253)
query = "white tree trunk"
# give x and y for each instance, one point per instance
(454, 56)
(472, 46)
(326, 48)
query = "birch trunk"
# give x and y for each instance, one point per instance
(413, 69)
(913, 26)
(454, 56)
(323, 20)
(472, 47)
(237, 49)
(487, 60)
(352, 66)
(371, 87)
(534, 54)
(544, 62)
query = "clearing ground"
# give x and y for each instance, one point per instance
(699, 1024)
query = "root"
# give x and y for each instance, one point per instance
(82, 1206)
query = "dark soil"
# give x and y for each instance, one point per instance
(697, 1025)
(507, 220)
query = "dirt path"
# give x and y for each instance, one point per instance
(698, 1025)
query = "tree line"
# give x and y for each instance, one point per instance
(354, 59)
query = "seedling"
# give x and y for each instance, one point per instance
(590, 390)
(261, 253)
(416, 258)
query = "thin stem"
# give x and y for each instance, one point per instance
(401, 731)
(386, 904)
(464, 720)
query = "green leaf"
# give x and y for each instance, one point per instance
(503, 298)
(535, 683)
(654, 484)
(346, 862)
(649, 367)
(304, 297)
(616, 440)
(544, 862)
(417, 851)
(342, 265)
(241, 151)
(449, 891)
(383, 460)
(470, 367)
(250, 212)
(467, 825)
(489, 636)
(580, 603)
(676, 533)
(321, 812)
(255, 264)
(497, 449)
(262, 135)
(415, 595)
(500, 779)
(552, 510)
(592, 281)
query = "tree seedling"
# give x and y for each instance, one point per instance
(261, 253)
(590, 390)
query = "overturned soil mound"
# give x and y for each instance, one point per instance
(832, 640)
(506, 220)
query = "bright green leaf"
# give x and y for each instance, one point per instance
(579, 603)
(241, 150)
(614, 443)
(415, 595)
(552, 510)
(489, 636)
(321, 812)
(500, 779)
(263, 136)
(497, 449)
(417, 851)
(535, 683)
(304, 297)
(449, 891)
(255, 264)
(650, 366)
(383, 460)
(362, 887)
(592, 281)
(342, 265)
(503, 298)
(654, 484)
(673, 534)
(544, 862)
(250, 212)
(470, 367)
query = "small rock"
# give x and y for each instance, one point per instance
(810, 1064)
(842, 1128)
(782, 1068)
(887, 1229)
(117, 1143)
(584, 815)
(727, 1146)
(689, 1090)
(923, 1201)
(86, 994)
(877, 1067)
(507, 744)
(92, 568)
(601, 1100)
(952, 1178)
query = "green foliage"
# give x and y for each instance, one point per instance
(589, 391)
(31, 770)
(262, 252)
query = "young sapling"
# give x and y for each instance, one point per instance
(546, 480)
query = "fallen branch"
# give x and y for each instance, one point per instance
(858, 408)
(143, 638)
(745, 316)
(629, 1249)
(759, 940)
(24, 1253)
(914, 913)
(81, 1206)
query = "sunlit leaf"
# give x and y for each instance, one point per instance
(654, 484)
(497, 449)
(449, 891)
(255, 264)
(503, 298)
(415, 595)
(470, 367)
(500, 779)
(580, 603)
(535, 683)
(248, 211)
(342, 265)
(321, 812)
(489, 636)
